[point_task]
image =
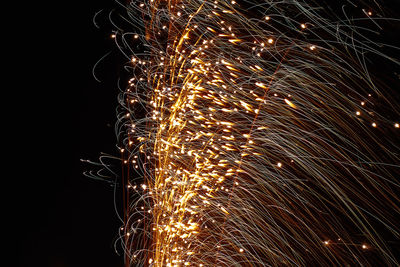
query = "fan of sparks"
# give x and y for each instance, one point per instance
(254, 128)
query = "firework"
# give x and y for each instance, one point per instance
(254, 131)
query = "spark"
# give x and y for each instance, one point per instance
(249, 142)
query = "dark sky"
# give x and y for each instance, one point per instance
(62, 218)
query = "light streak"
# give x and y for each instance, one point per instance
(235, 173)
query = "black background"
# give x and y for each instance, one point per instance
(60, 217)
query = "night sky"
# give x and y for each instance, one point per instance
(62, 218)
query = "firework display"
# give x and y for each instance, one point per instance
(251, 135)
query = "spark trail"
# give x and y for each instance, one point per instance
(254, 129)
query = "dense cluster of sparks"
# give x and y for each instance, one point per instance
(252, 125)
